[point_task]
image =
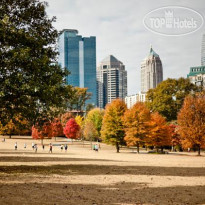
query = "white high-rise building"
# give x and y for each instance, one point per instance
(151, 71)
(111, 81)
(203, 51)
(133, 99)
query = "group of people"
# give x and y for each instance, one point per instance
(65, 147)
(34, 146)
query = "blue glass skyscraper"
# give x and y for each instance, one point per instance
(78, 55)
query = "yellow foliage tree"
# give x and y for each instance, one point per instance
(80, 121)
(112, 126)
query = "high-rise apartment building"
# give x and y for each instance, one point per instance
(203, 51)
(151, 71)
(78, 55)
(111, 81)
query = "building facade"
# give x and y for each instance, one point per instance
(203, 51)
(133, 99)
(151, 71)
(197, 75)
(78, 55)
(111, 81)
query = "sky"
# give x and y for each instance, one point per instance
(119, 30)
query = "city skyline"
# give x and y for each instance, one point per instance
(119, 31)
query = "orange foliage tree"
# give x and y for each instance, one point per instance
(65, 117)
(42, 132)
(159, 132)
(112, 126)
(175, 138)
(136, 122)
(71, 129)
(57, 128)
(191, 120)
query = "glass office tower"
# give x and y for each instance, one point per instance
(78, 55)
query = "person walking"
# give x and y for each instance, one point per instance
(61, 148)
(66, 147)
(15, 146)
(43, 146)
(96, 147)
(50, 148)
(36, 148)
(33, 145)
(25, 145)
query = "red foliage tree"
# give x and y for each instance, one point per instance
(46, 131)
(71, 129)
(57, 128)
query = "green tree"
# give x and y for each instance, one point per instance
(112, 128)
(168, 97)
(79, 97)
(31, 82)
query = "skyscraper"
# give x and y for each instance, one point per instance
(78, 55)
(111, 80)
(151, 71)
(203, 51)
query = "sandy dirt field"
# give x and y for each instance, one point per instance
(84, 176)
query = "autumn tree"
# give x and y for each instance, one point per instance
(168, 97)
(89, 132)
(112, 125)
(9, 129)
(159, 132)
(16, 126)
(191, 120)
(80, 121)
(42, 132)
(175, 138)
(57, 128)
(95, 116)
(66, 117)
(136, 122)
(71, 129)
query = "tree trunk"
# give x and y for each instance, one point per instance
(91, 143)
(10, 136)
(199, 150)
(162, 149)
(138, 149)
(117, 147)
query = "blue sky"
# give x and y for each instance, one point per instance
(119, 30)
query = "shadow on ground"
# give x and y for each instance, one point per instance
(46, 159)
(103, 170)
(123, 193)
